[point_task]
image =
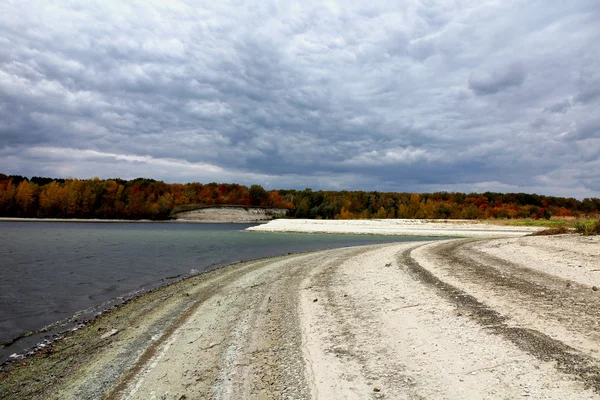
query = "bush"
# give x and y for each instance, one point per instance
(588, 228)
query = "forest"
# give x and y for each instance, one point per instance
(143, 198)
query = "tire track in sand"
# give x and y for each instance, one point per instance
(253, 347)
(534, 292)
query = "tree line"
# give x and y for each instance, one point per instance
(150, 199)
(119, 199)
(440, 205)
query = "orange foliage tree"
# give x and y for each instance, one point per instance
(147, 198)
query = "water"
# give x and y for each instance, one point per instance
(51, 270)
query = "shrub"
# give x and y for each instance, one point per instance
(588, 228)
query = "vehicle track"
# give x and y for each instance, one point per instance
(254, 346)
(546, 298)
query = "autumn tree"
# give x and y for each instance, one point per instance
(25, 198)
(50, 200)
(8, 193)
(148, 198)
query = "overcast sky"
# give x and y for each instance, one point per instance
(428, 95)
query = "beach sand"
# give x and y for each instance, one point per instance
(502, 318)
(401, 227)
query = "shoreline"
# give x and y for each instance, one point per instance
(80, 319)
(125, 221)
(21, 343)
(387, 227)
(296, 324)
(38, 339)
(110, 322)
(391, 227)
(396, 227)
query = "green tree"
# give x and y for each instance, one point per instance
(257, 194)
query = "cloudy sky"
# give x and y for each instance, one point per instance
(409, 95)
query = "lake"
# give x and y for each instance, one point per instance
(49, 271)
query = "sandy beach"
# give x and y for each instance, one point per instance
(401, 227)
(507, 317)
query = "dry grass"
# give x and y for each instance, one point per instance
(557, 230)
(569, 222)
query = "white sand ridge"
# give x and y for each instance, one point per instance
(402, 227)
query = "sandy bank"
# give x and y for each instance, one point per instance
(453, 319)
(230, 214)
(402, 227)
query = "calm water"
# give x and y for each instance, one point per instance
(51, 270)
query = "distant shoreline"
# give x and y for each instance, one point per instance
(401, 227)
(124, 221)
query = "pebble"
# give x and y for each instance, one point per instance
(110, 333)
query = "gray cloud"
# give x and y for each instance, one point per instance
(560, 107)
(586, 130)
(488, 82)
(357, 95)
(588, 94)
(589, 80)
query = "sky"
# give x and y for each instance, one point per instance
(407, 96)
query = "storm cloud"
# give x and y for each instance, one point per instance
(416, 96)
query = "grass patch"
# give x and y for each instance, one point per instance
(540, 222)
(532, 222)
(581, 225)
(588, 228)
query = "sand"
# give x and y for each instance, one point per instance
(230, 214)
(501, 318)
(402, 227)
